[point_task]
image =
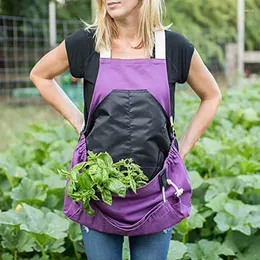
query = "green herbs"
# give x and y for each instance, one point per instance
(100, 177)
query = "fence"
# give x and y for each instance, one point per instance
(23, 41)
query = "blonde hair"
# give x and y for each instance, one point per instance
(151, 13)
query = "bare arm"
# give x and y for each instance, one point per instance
(52, 64)
(204, 85)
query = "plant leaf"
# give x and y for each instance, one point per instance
(106, 196)
(116, 186)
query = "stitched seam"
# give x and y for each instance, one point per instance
(86, 62)
(130, 129)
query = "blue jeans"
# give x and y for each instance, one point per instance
(104, 246)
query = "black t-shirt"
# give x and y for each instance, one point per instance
(84, 61)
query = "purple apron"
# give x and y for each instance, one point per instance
(129, 116)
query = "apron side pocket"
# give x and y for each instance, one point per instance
(73, 209)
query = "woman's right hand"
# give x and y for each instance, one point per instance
(79, 128)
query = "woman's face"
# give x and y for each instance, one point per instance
(119, 9)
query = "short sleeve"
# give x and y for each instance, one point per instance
(77, 47)
(181, 54)
(186, 50)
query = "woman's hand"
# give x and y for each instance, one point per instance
(183, 151)
(204, 85)
(52, 64)
(79, 125)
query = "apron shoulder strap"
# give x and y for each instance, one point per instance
(160, 50)
(105, 53)
(159, 46)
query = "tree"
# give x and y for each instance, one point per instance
(69, 9)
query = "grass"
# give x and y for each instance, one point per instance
(13, 118)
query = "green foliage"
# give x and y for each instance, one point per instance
(224, 223)
(26, 8)
(210, 26)
(39, 9)
(223, 167)
(75, 9)
(99, 175)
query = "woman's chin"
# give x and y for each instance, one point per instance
(117, 15)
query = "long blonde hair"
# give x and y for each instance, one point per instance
(151, 13)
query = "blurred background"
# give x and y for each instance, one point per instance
(226, 33)
(35, 141)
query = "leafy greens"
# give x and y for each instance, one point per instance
(100, 176)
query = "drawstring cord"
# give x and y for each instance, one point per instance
(163, 194)
(164, 180)
(172, 126)
(178, 191)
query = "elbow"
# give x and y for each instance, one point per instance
(35, 76)
(215, 97)
(219, 97)
(32, 75)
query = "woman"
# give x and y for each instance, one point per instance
(130, 63)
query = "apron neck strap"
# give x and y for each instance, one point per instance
(160, 52)
(159, 46)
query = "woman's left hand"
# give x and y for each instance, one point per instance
(183, 151)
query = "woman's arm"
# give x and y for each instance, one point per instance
(204, 85)
(52, 64)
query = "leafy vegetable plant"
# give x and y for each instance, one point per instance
(224, 170)
(99, 177)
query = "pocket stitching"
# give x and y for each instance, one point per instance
(79, 208)
(142, 221)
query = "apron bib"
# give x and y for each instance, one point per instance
(130, 116)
